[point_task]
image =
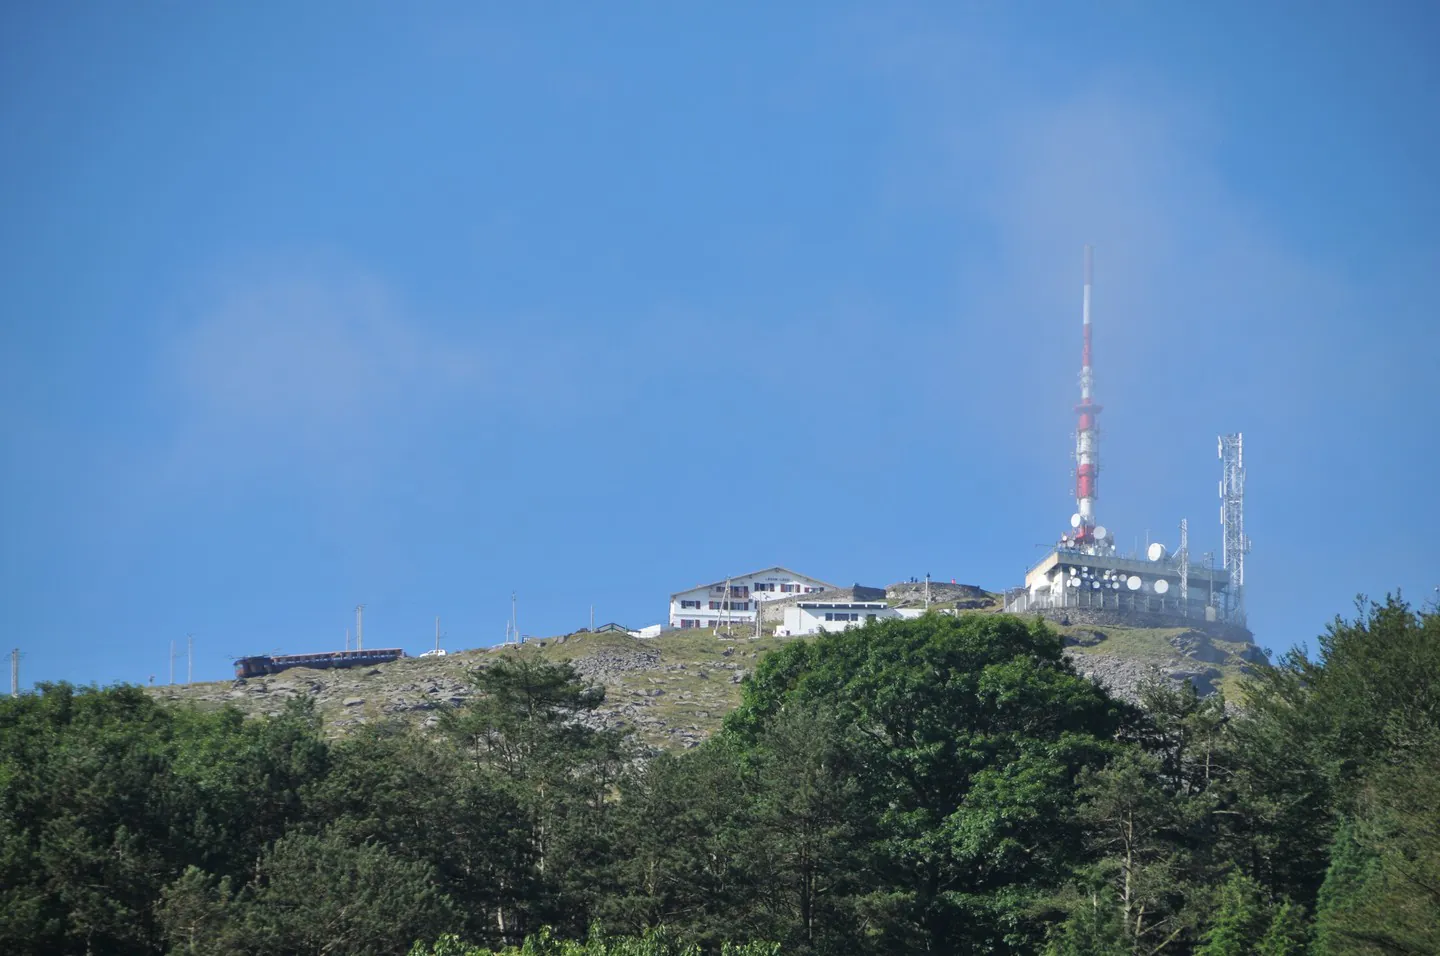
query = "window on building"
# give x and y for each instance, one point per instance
(714, 605)
(690, 604)
(829, 616)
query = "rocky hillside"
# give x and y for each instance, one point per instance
(673, 690)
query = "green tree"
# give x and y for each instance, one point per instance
(656, 941)
(1382, 891)
(966, 735)
(311, 894)
(1313, 731)
(1239, 921)
(1143, 836)
(687, 852)
(1289, 932)
(528, 731)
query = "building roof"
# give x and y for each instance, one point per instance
(750, 574)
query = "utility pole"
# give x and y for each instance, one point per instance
(1184, 567)
(347, 638)
(189, 658)
(927, 590)
(359, 627)
(15, 672)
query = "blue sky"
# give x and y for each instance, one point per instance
(308, 305)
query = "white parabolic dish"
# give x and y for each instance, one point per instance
(1133, 582)
(1161, 586)
(1156, 552)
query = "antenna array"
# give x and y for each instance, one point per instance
(1232, 520)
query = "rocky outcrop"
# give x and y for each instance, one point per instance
(1124, 676)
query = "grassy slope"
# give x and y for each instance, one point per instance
(694, 673)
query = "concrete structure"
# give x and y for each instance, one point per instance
(1085, 570)
(736, 600)
(812, 617)
(1074, 579)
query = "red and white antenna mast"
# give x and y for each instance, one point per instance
(1087, 438)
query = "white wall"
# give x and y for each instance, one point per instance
(743, 604)
(801, 621)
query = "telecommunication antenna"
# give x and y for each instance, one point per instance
(359, 627)
(437, 632)
(15, 672)
(1184, 567)
(927, 590)
(1232, 520)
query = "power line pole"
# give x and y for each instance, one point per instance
(359, 627)
(437, 632)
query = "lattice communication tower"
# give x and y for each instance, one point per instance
(1232, 520)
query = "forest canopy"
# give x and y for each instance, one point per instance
(946, 784)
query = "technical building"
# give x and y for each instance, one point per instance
(1086, 571)
(736, 600)
(812, 617)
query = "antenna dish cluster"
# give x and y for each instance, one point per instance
(1162, 586)
(1156, 552)
(1095, 579)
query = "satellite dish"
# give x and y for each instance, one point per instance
(1133, 583)
(1074, 582)
(1095, 585)
(1156, 552)
(1100, 533)
(1161, 586)
(1074, 521)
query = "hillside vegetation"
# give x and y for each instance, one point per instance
(674, 690)
(948, 784)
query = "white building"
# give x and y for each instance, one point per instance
(812, 617)
(737, 599)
